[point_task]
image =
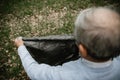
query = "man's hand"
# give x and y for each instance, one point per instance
(19, 42)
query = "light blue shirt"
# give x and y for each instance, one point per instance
(80, 69)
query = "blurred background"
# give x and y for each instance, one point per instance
(35, 18)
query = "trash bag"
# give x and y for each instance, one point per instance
(53, 50)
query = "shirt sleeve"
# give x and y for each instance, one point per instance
(34, 70)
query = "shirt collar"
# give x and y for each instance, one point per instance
(95, 64)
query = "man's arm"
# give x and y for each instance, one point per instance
(34, 70)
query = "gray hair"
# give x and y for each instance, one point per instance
(100, 34)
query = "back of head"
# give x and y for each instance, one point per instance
(98, 29)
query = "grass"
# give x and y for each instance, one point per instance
(31, 18)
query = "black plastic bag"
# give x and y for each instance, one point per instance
(52, 50)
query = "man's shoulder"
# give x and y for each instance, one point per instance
(72, 64)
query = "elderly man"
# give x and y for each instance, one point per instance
(97, 34)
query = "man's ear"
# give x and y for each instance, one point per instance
(82, 50)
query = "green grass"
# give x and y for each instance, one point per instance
(30, 18)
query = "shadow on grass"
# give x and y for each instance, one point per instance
(4, 40)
